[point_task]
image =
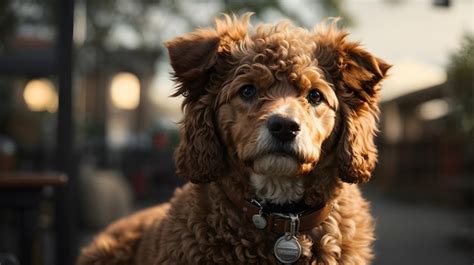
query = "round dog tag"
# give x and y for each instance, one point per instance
(259, 221)
(287, 249)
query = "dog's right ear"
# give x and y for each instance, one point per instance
(192, 57)
(200, 155)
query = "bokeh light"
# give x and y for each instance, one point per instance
(40, 95)
(125, 91)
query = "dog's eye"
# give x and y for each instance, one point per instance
(247, 92)
(315, 97)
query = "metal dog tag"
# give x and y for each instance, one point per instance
(259, 221)
(287, 249)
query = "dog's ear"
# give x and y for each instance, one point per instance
(356, 75)
(200, 155)
(192, 57)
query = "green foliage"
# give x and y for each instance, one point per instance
(461, 82)
(103, 16)
(462, 62)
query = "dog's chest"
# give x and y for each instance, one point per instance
(247, 244)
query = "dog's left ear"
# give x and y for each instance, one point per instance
(356, 75)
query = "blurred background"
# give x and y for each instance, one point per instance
(87, 127)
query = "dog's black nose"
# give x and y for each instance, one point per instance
(284, 129)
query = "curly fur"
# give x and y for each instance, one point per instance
(225, 145)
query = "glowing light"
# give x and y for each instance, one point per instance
(408, 76)
(125, 91)
(433, 109)
(40, 95)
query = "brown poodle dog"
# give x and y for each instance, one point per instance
(278, 126)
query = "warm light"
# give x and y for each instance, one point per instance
(408, 76)
(125, 91)
(433, 109)
(40, 95)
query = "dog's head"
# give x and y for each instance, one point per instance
(273, 102)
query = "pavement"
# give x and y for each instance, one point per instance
(409, 233)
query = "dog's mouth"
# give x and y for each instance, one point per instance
(280, 160)
(287, 152)
(283, 151)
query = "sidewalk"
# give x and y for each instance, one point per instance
(409, 233)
